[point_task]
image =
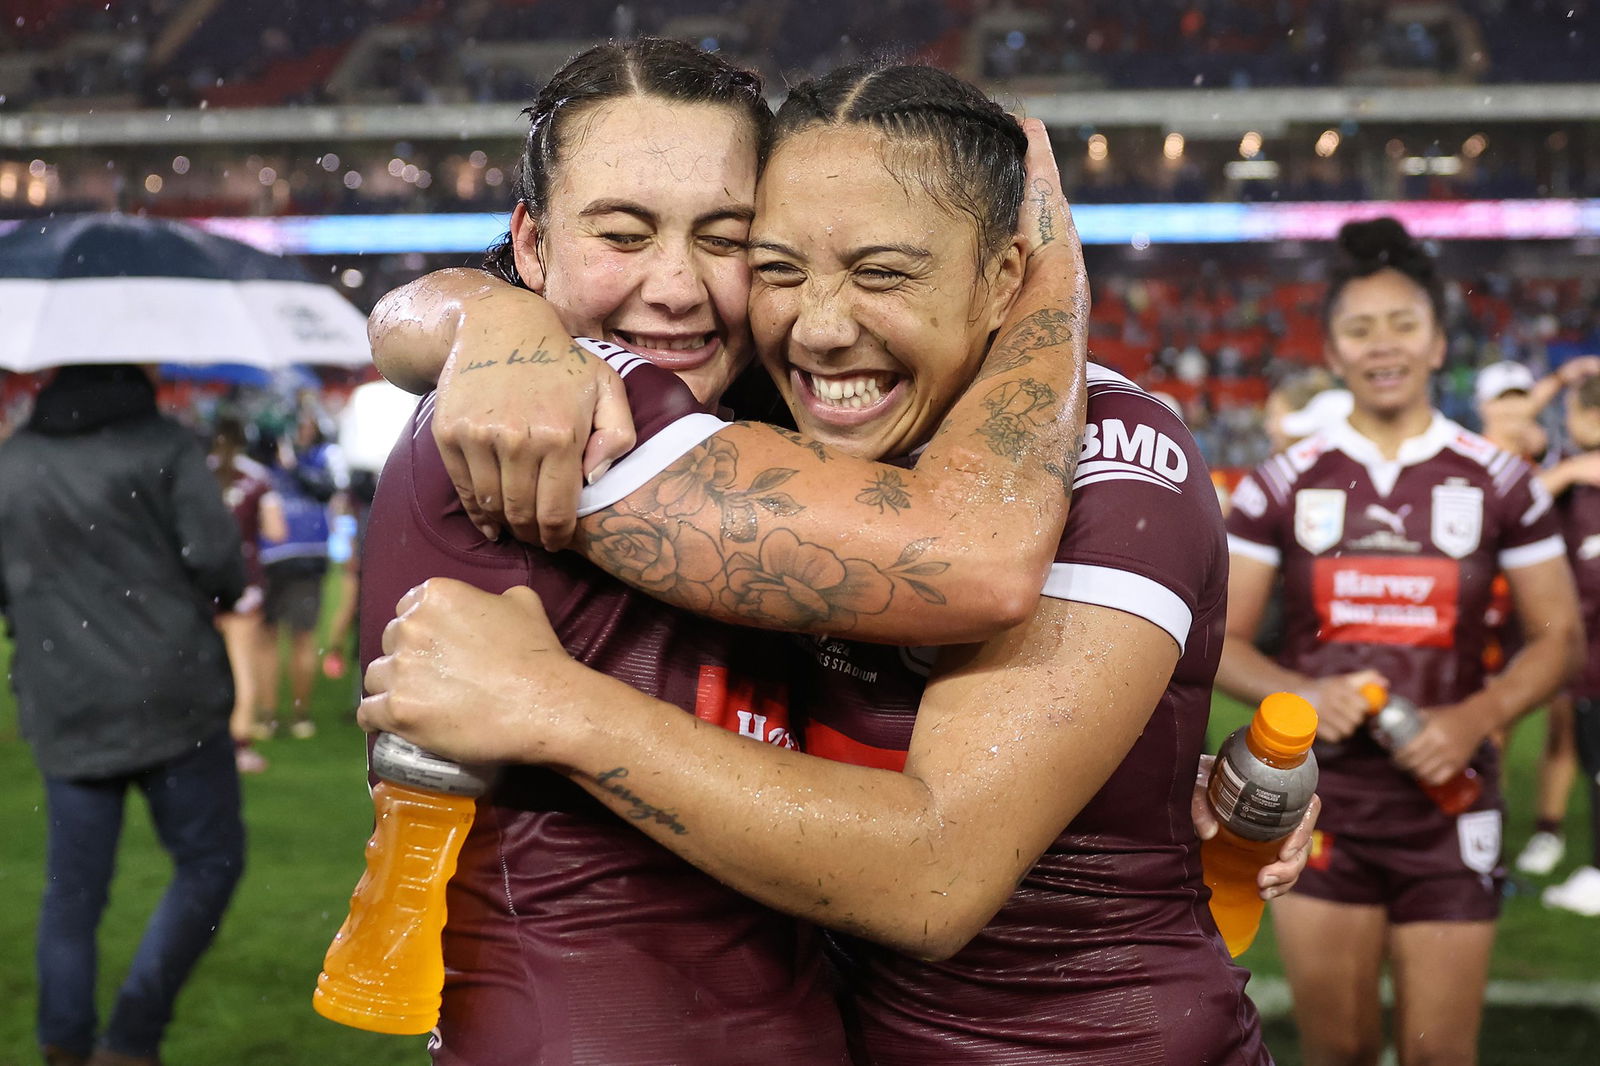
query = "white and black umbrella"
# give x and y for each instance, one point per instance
(112, 288)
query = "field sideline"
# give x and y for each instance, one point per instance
(309, 815)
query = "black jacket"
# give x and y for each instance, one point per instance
(114, 546)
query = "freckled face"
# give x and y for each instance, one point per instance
(868, 303)
(1385, 342)
(644, 234)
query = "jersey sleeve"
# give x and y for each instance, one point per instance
(1531, 524)
(1144, 534)
(1255, 518)
(668, 422)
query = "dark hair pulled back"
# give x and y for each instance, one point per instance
(658, 67)
(968, 153)
(1366, 247)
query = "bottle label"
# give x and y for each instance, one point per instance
(1248, 808)
(398, 760)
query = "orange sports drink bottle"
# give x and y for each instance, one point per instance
(384, 971)
(1393, 722)
(1260, 787)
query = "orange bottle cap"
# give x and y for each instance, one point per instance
(1284, 725)
(1376, 696)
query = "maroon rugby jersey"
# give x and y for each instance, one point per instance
(1106, 955)
(1579, 508)
(1388, 565)
(572, 938)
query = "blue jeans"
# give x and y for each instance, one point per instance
(194, 804)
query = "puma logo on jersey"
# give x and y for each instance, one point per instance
(1113, 452)
(1395, 521)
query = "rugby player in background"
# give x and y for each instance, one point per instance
(1388, 529)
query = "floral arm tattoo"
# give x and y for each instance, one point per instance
(756, 568)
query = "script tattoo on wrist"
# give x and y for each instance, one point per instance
(638, 809)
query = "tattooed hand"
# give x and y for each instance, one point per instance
(516, 405)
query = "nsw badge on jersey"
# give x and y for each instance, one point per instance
(1457, 519)
(1318, 518)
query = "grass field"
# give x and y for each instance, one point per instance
(308, 815)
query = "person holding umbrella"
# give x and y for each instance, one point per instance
(115, 550)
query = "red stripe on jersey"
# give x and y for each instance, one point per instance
(761, 713)
(1375, 599)
(829, 743)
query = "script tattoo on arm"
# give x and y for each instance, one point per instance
(639, 810)
(1041, 194)
(701, 536)
(540, 356)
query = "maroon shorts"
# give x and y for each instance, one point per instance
(1447, 871)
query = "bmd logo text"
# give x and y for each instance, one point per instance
(1112, 451)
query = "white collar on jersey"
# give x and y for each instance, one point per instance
(1413, 450)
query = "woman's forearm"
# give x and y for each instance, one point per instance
(848, 847)
(413, 328)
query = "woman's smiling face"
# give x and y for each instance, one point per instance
(868, 301)
(1385, 342)
(643, 238)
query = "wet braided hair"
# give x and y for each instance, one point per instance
(944, 133)
(1366, 247)
(658, 67)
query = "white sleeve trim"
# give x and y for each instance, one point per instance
(1121, 590)
(1540, 551)
(1261, 553)
(648, 460)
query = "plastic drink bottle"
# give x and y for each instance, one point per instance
(1260, 787)
(1393, 721)
(384, 971)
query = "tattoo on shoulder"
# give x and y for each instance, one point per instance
(1018, 410)
(638, 809)
(479, 364)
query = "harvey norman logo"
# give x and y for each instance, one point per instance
(1114, 451)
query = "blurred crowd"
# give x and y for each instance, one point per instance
(164, 53)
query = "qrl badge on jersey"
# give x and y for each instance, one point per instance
(1318, 518)
(1457, 519)
(1479, 832)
